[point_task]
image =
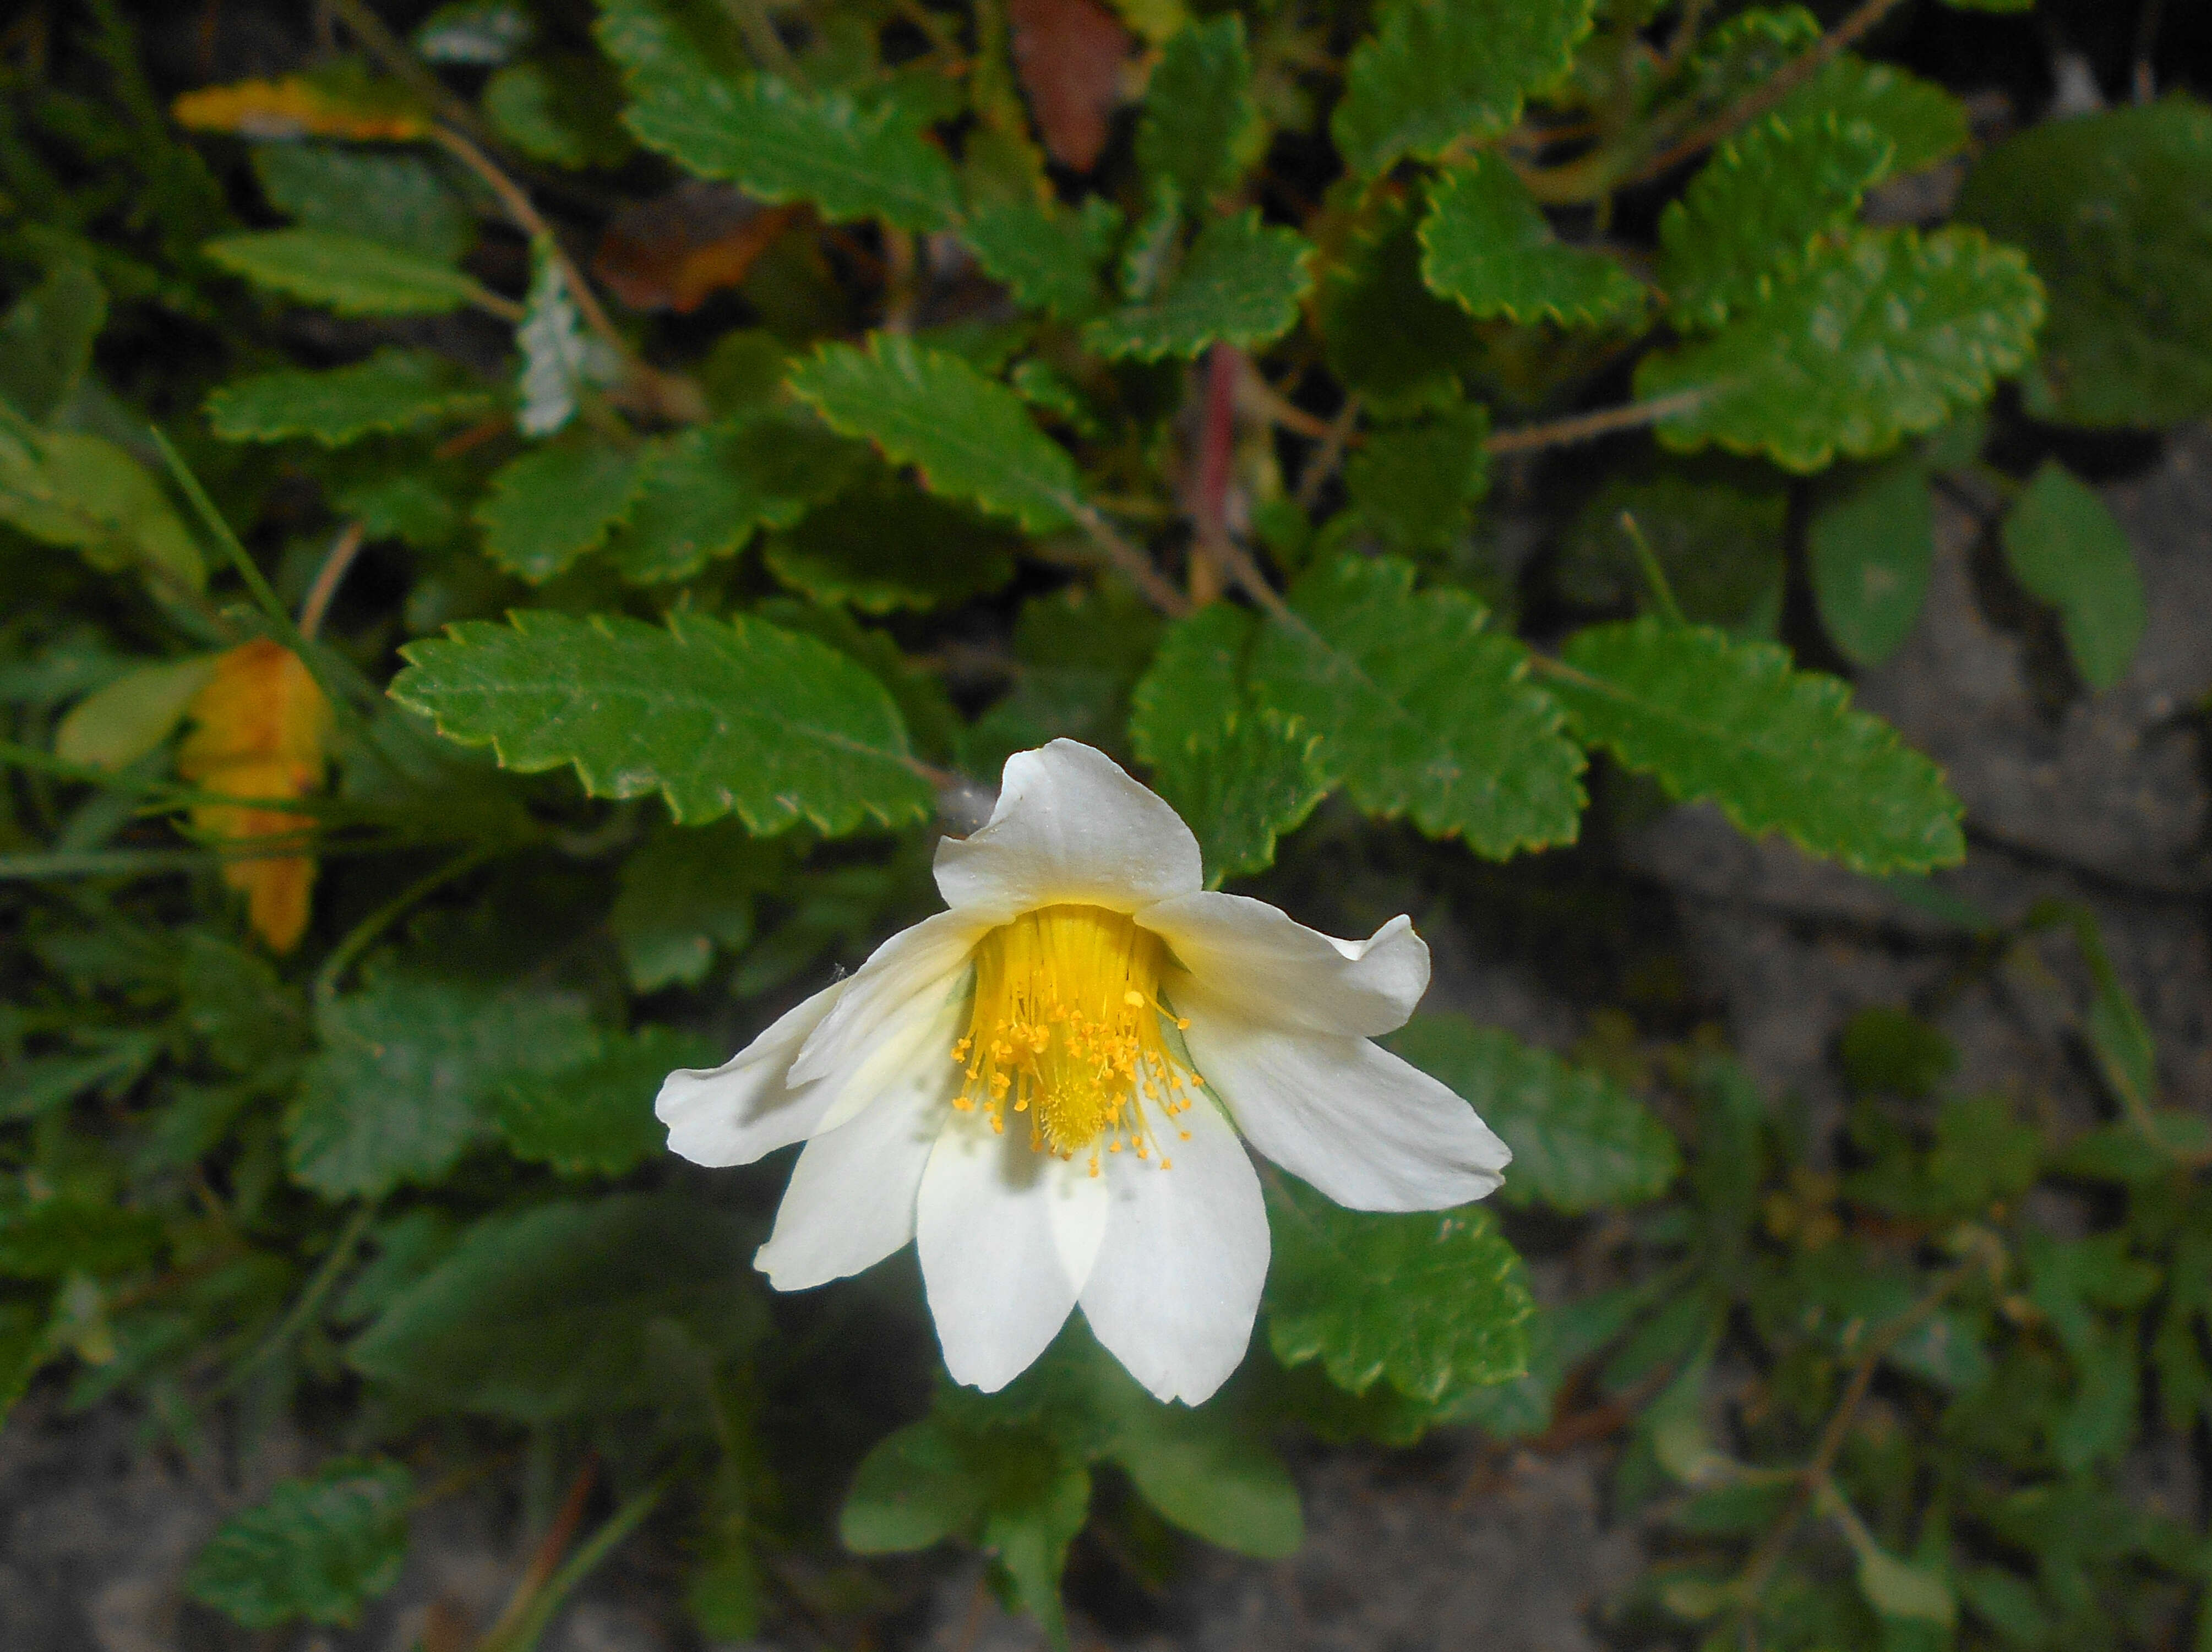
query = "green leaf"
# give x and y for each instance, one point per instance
(1897, 1590)
(549, 506)
(1751, 216)
(56, 1237)
(780, 143)
(319, 1547)
(1081, 651)
(396, 199)
(1415, 487)
(1240, 285)
(393, 389)
(46, 338)
(132, 715)
(970, 436)
(1579, 1142)
(1432, 1302)
(1239, 773)
(1047, 257)
(685, 891)
(1387, 335)
(1881, 336)
(1741, 53)
(714, 716)
(1210, 1477)
(1923, 122)
(69, 488)
(596, 1118)
(1778, 749)
(1719, 544)
(409, 1069)
(1438, 72)
(914, 1489)
(1487, 246)
(1421, 710)
(350, 273)
(882, 546)
(932, 722)
(1038, 1501)
(1870, 546)
(703, 494)
(1201, 130)
(556, 1311)
(2115, 212)
(558, 110)
(2064, 547)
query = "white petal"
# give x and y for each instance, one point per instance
(1276, 972)
(851, 1201)
(1178, 1280)
(733, 1113)
(918, 960)
(1005, 1234)
(1071, 827)
(1370, 1131)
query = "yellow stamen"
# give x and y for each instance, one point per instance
(1069, 1025)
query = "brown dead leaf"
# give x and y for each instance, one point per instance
(261, 728)
(306, 106)
(1070, 54)
(673, 253)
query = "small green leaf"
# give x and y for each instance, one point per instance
(132, 715)
(1047, 257)
(715, 716)
(1870, 546)
(1489, 248)
(320, 1547)
(595, 1118)
(1240, 285)
(970, 436)
(1081, 650)
(2064, 547)
(409, 1072)
(558, 110)
(396, 199)
(1923, 122)
(1212, 1478)
(46, 339)
(1579, 1143)
(1415, 487)
(1201, 130)
(882, 546)
(1437, 72)
(69, 488)
(1720, 546)
(914, 1489)
(685, 891)
(703, 494)
(1777, 748)
(1881, 336)
(56, 1237)
(1751, 216)
(1239, 773)
(1387, 335)
(551, 505)
(393, 389)
(1433, 1301)
(556, 1311)
(348, 273)
(1896, 1589)
(2115, 212)
(784, 144)
(1421, 710)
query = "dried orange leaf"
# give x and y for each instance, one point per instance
(1070, 55)
(674, 252)
(261, 727)
(347, 105)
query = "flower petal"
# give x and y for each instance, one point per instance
(916, 961)
(1370, 1131)
(851, 1201)
(733, 1113)
(1178, 1280)
(1002, 1232)
(1276, 972)
(1070, 827)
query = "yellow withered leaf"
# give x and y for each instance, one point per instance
(306, 106)
(260, 727)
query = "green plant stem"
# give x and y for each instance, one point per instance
(1140, 569)
(543, 1592)
(1654, 575)
(1587, 426)
(365, 933)
(326, 1276)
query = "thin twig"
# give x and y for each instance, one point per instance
(547, 1559)
(1132, 563)
(1330, 454)
(386, 48)
(1209, 486)
(1585, 427)
(330, 577)
(532, 222)
(1756, 102)
(1279, 409)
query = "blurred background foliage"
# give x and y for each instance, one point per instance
(522, 521)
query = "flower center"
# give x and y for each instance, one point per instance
(1068, 1028)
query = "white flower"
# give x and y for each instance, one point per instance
(1044, 1086)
